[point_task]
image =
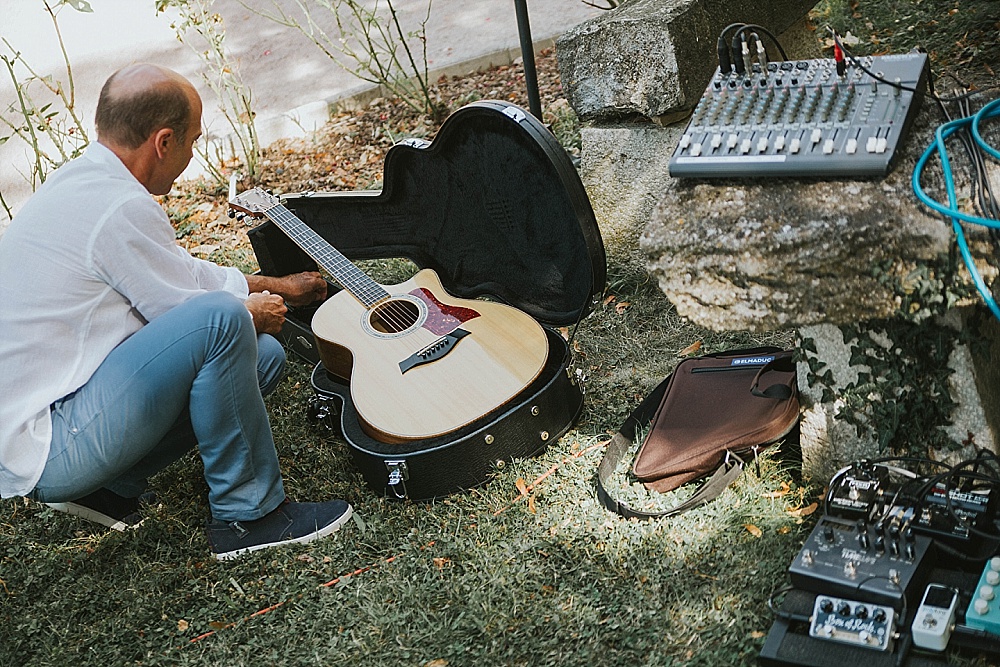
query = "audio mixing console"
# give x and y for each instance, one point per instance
(802, 119)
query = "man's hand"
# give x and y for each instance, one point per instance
(298, 289)
(268, 311)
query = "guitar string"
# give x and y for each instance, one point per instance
(355, 281)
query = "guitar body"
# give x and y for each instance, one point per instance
(424, 363)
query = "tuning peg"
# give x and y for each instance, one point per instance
(240, 216)
(231, 213)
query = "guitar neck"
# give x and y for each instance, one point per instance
(350, 277)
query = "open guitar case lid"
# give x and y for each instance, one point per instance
(495, 206)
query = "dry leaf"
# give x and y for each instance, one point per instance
(564, 331)
(783, 490)
(622, 307)
(440, 662)
(182, 625)
(531, 504)
(753, 530)
(690, 349)
(305, 558)
(784, 530)
(522, 488)
(218, 625)
(757, 634)
(609, 299)
(439, 563)
(803, 511)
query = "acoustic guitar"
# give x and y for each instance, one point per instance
(420, 362)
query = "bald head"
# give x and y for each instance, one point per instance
(138, 100)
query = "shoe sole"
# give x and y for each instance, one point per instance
(93, 515)
(322, 532)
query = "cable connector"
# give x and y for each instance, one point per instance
(725, 64)
(761, 52)
(839, 59)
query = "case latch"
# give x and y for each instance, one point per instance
(398, 474)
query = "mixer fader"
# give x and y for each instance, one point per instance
(802, 118)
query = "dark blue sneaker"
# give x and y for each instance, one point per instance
(289, 523)
(108, 508)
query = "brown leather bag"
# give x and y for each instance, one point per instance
(710, 415)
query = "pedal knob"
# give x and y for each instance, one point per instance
(844, 609)
(826, 605)
(992, 577)
(879, 616)
(981, 606)
(995, 563)
(861, 612)
(986, 593)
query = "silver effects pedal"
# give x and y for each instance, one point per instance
(935, 618)
(851, 622)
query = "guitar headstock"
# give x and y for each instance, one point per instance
(254, 203)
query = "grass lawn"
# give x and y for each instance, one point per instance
(527, 570)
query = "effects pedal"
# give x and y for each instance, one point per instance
(875, 562)
(858, 492)
(851, 622)
(984, 608)
(935, 618)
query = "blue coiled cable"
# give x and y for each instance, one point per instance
(951, 211)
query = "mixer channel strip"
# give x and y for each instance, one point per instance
(801, 119)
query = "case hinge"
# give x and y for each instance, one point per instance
(398, 474)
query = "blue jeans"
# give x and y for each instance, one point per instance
(192, 377)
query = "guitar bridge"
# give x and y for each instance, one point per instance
(436, 350)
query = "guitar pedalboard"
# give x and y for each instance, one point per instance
(888, 575)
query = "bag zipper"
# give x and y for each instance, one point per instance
(723, 369)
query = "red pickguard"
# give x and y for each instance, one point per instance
(441, 318)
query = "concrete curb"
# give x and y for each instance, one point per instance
(311, 117)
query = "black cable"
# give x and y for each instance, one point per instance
(785, 615)
(759, 28)
(929, 93)
(722, 48)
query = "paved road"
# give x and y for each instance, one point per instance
(292, 81)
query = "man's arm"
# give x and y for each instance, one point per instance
(297, 289)
(269, 294)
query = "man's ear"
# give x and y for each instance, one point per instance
(162, 141)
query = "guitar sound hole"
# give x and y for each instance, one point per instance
(394, 316)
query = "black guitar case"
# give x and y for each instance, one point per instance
(495, 206)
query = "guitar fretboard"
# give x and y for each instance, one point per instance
(350, 277)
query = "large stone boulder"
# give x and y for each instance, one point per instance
(654, 57)
(768, 254)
